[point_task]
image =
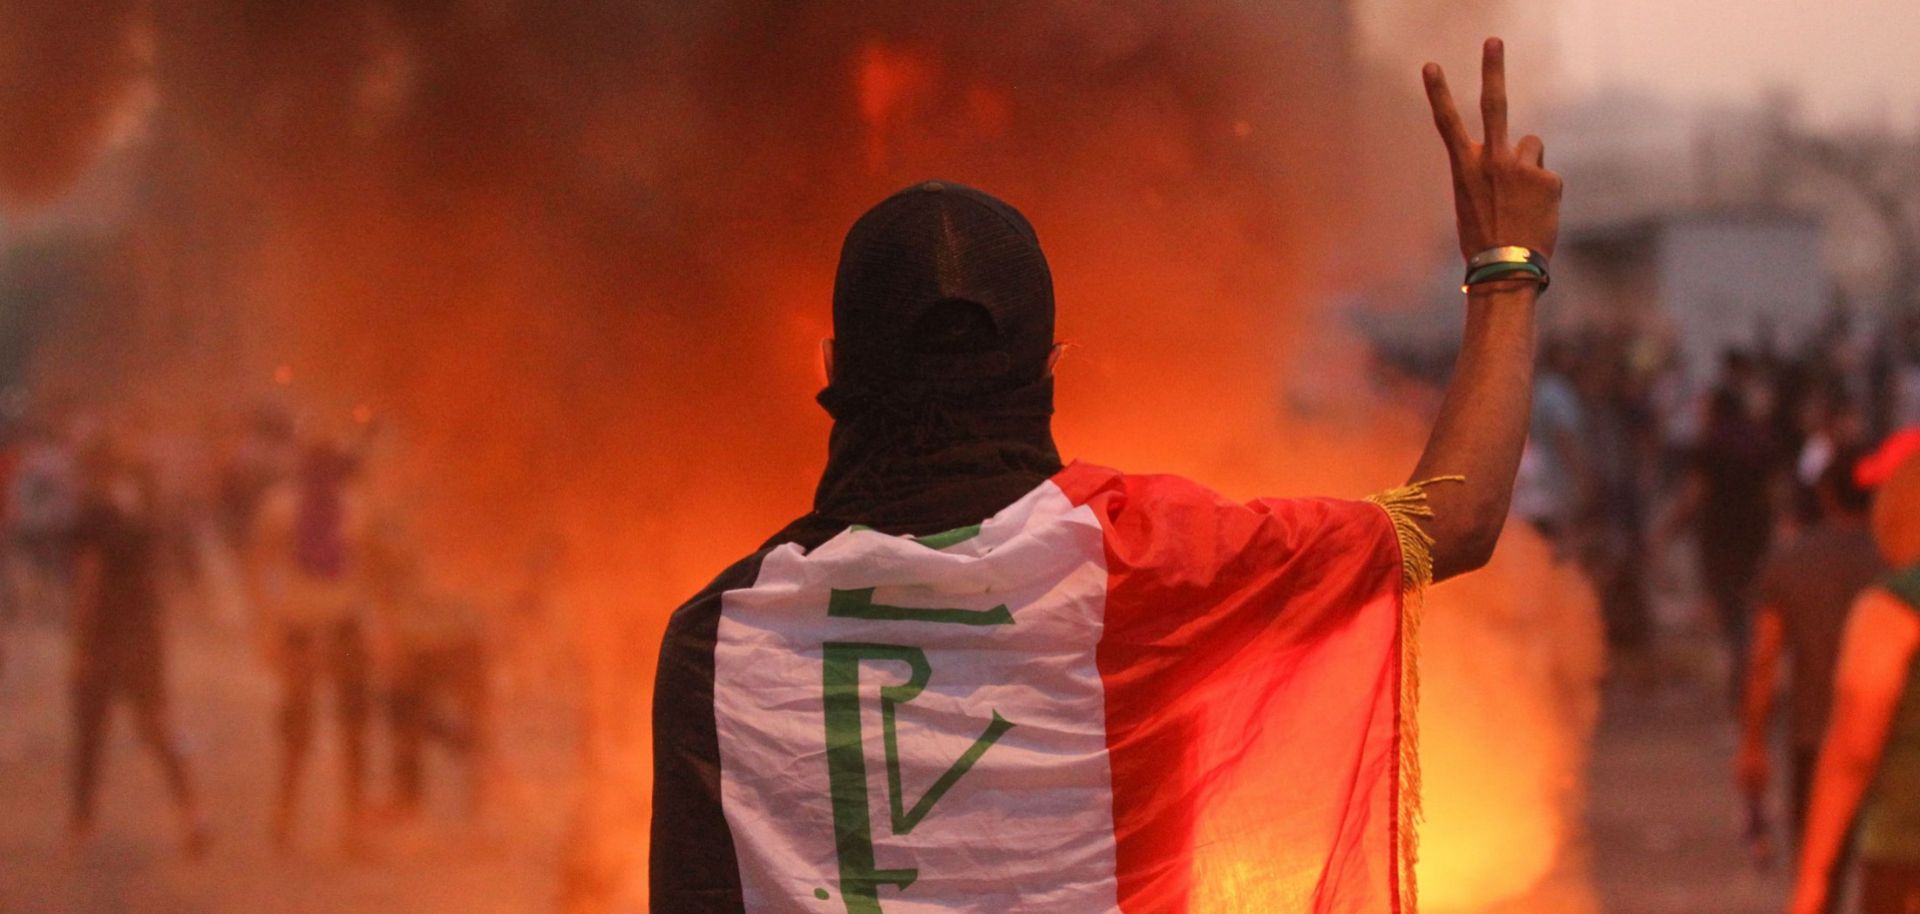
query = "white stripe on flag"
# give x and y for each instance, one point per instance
(995, 794)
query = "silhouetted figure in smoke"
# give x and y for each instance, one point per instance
(119, 654)
(1806, 588)
(1729, 500)
(1553, 470)
(439, 695)
(308, 571)
(437, 674)
(40, 508)
(1607, 536)
(258, 461)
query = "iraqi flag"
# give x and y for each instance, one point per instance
(1120, 693)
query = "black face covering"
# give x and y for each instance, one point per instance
(941, 395)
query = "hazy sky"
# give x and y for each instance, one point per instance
(1848, 59)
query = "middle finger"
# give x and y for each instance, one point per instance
(1493, 96)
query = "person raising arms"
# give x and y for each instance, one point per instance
(977, 678)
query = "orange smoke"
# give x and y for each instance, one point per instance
(890, 82)
(1512, 661)
(578, 257)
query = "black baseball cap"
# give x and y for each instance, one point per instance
(944, 287)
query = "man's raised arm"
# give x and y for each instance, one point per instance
(1504, 198)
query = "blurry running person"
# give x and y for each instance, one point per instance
(1806, 589)
(119, 645)
(1552, 480)
(437, 675)
(1869, 760)
(40, 509)
(1608, 536)
(1729, 500)
(439, 695)
(261, 458)
(307, 571)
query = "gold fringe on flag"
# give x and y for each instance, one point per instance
(1407, 506)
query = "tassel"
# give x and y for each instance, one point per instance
(1406, 506)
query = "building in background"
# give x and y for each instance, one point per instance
(1691, 230)
(1701, 280)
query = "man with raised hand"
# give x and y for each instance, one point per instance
(975, 679)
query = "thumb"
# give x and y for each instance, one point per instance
(1532, 151)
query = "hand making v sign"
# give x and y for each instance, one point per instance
(1508, 205)
(1503, 194)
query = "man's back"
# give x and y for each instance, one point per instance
(1812, 582)
(1078, 690)
(311, 566)
(124, 543)
(1029, 713)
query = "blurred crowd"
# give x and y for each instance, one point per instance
(1754, 504)
(1656, 480)
(124, 535)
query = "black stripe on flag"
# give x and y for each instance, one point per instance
(692, 868)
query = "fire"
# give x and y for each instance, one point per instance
(1511, 663)
(619, 347)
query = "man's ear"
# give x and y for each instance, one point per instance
(1053, 357)
(826, 357)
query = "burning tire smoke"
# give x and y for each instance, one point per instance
(579, 256)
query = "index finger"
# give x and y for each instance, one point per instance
(1493, 95)
(1453, 130)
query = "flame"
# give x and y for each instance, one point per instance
(1511, 666)
(595, 313)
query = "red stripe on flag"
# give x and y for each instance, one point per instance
(1251, 664)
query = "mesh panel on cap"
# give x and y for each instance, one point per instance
(931, 243)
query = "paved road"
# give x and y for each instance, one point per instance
(1662, 838)
(1663, 815)
(507, 863)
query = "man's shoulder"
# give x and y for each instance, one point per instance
(1083, 481)
(1151, 497)
(1112, 492)
(737, 576)
(806, 533)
